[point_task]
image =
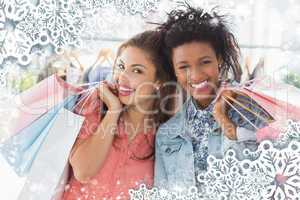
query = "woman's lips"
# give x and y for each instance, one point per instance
(200, 87)
(125, 91)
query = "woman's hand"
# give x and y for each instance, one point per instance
(220, 113)
(88, 155)
(108, 94)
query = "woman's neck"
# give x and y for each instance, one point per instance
(136, 120)
(204, 103)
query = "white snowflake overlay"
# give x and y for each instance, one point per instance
(271, 172)
(56, 22)
(291, 133)
(26, 27)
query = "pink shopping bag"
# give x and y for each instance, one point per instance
(34, 102)
(279, 110)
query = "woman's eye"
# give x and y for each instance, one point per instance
(183, 67)
(137, 71)
(120, 66)
(206, 62)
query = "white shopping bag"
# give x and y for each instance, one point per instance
(49, 171)
(60, 188)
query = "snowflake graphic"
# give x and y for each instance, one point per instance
(292, 132)
(55, 23)
(109, 21)
(126, 7)
(63, 21)
(13, 43)
(155, 194)
(229, 178)
(3, 73)
(137, 6)
(283, 166)
(269, 173)
(15, 10)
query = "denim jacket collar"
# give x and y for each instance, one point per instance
(193, 110)
(182, 118)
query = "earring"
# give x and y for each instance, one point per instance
(221, 74)
(219, 66)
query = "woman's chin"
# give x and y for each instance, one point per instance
(126, 100)
(201, 94)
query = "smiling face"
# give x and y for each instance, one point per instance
(196, 68)
(135, 74)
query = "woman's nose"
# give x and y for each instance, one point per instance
(123, 77)
(196, 74)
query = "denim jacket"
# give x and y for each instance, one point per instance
(174, 160)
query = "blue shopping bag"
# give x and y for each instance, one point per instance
(20, 150)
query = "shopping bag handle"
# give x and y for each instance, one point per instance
(249, 110)
(257, 107)
(256, 128)
(240, 93)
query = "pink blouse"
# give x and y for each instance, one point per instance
(126, 166)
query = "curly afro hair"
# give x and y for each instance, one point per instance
(191, 24)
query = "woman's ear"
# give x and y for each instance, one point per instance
(220, 62)
(157, 85)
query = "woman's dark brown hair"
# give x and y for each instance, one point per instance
(151, 42)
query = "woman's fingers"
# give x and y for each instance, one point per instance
(107, 95)
(113, 87)
(220, 113)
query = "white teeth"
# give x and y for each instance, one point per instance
(199, 85)
(125, 89)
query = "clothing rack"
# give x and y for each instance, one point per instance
(242, 46)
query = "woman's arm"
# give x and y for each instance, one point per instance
(88, 155)
(221, 116)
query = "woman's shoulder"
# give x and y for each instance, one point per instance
(174, 125)
(167, 126)
(177, 118)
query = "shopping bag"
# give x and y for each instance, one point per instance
(49, 172)
(20, 150)
(90, 106)
(278, 90)
(34, 102)
(280, 111)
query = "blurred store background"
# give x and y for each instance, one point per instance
(83, 50)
